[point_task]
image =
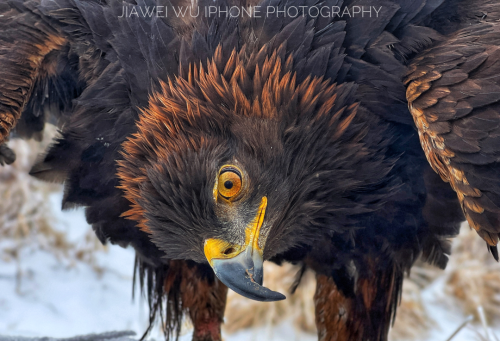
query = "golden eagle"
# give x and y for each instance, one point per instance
(304, 131)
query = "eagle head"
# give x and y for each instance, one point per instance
(238, 160)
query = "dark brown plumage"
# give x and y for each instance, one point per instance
(210, 144)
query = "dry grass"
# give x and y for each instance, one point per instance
(473, 276)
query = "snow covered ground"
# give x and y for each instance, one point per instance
(43, 295)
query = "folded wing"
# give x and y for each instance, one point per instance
(453, 93)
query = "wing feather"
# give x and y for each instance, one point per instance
(453, 92)
(29, 49)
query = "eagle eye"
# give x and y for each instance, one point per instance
(230, 182)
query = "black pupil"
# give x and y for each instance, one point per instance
(228, 184)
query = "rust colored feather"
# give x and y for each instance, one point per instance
(205, 300)
(28, 60)
(204, 96)
(365, 315)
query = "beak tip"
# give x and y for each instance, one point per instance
(260, 293)
(275, 296)
(232, 273)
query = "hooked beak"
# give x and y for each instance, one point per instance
(240, 267)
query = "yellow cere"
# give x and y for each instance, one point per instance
(252, 232)
(221, 249)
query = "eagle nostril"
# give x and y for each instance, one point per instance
(229, 251)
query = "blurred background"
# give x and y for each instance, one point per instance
(57, 280)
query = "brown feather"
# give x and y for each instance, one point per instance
(459, 109)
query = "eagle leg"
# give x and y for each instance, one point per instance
(206, 307)
(364, 314)
(203, 297)
(333, 310)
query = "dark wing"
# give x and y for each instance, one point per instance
(37, 72)
(453, 92)
(28, 52)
